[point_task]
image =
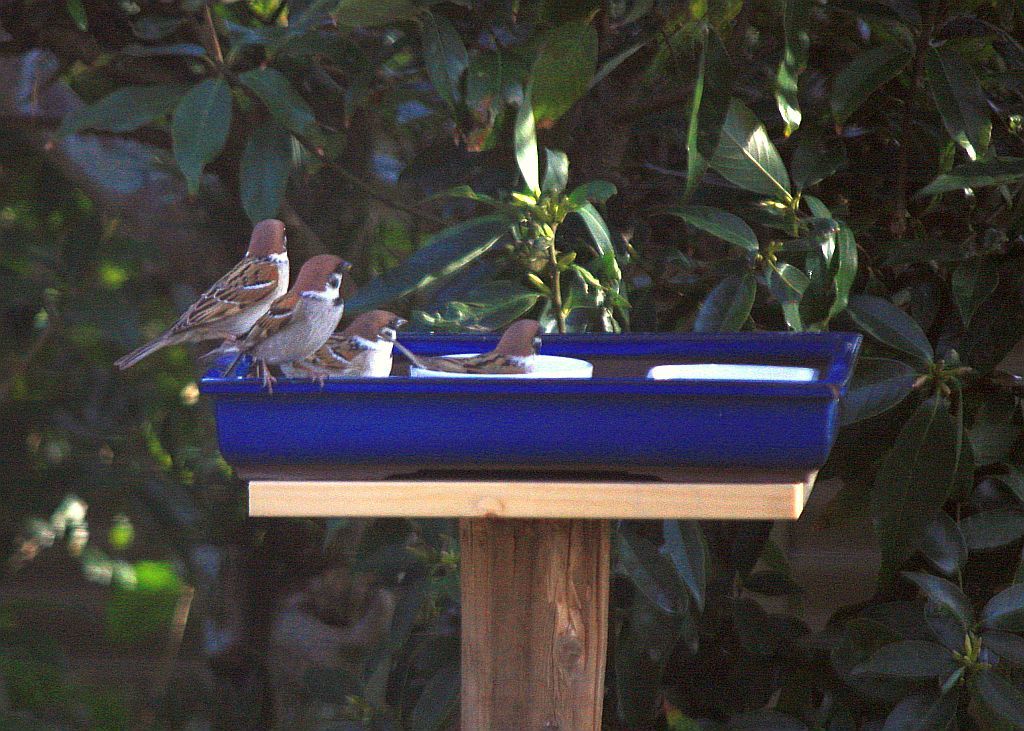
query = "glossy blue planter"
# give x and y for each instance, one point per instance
(617, 421)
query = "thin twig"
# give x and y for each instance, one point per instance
(179, 621)
(210, 41)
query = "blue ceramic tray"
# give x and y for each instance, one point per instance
(618, 421)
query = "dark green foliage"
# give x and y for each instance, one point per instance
(599, 166)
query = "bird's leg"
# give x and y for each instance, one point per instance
(317, 375)
(263, 370)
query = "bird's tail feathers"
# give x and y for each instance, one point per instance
(138, 354)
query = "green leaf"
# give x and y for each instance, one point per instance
(595, 190)
(77, 12)
(490, 306)
(143, 611)
(747, 158)
(992, 529)
(651, 572)
(1002, 697)
(788, 284)
(817, 156)
(708, 107)
(912, 659)
(889, 325)
(285, 104)
(436, 704)
(796, 19)
(556, 174)
(441, 255)
(1005, 610)
(844, 268)
(943, 545)
(972, 283)
(878, 385)
(1009, 647)
(642, 648)
(728, 305)
(960, 99)
(563, 69)
(687, 550)
(946, 595)
(444, 56)
(263, 178)
(925, 712)
(124, 110)
(719, 223)
(852, 86)
(525, 139)
(598, 229)
(980, 174)
(200, 127)
(913, 481)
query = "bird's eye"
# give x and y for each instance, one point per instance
(334, 281)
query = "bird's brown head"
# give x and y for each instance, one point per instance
(268, 237)
(376, 325)
(518, 339)
(321, 273)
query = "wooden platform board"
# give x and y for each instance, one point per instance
(761, 497)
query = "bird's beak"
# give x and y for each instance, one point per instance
(400, 322)
(343, 267)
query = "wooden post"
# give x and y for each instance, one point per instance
(534, 623)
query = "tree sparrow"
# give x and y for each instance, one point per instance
(297, 324)
(514, 354)
(229, 308)
(361, 349)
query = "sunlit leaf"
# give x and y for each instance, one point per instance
(796, 19)
(441, 255)
(525, 139)
(556, 173)
(788, 284)
(980, 174)
(598, 229)
(720, 224)
(747, 158)
(563, 69)
(708, 107)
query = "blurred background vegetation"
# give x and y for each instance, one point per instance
(601, 165)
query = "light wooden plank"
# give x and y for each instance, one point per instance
(712, 500)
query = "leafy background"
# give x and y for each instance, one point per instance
(601, 166)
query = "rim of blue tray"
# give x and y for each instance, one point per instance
(838, 349)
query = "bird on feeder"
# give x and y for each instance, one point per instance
(233, 304)
(514, 354)
(364, 348)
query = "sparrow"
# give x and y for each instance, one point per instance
(361, 349)
(514, 354)
(229, 308)
(297, 324)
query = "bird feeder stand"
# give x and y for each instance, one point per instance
(535, 557)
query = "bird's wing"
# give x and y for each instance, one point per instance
(337, 352)
(250, 283)
(273, 321)
(487, 363)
